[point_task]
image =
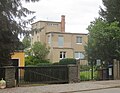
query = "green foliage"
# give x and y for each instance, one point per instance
(44, 64)
(67, 61)
(37, 55)
(34, 61)
(111, 12)
(29, 60)
(87, 75)
(85, 67)
(11, 24)
(39, 50)
(56, 63)
(104, 41)
(26, 42)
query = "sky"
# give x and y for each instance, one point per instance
(78, 13)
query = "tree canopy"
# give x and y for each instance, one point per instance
(26, 42)
(40, 50)
(11, 24)
(111, 12)
(104, 33)
(37, 54)
(104, 40)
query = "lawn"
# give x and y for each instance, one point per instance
(87, 75)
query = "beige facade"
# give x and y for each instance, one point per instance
(61, 43)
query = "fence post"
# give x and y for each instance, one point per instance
(78, 67)
(73, 74)
(116, 68)
(10, 76)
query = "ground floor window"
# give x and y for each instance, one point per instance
(62, 55)
(79, 55)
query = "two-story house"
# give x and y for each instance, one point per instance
(62, 44)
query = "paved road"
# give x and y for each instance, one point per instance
(86, 87)
(111, 90)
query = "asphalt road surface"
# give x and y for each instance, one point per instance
(110, 90)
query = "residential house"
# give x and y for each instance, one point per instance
(62, 44)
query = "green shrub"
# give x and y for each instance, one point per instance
(56, 63)
(34, 61)
(67, 61)
(44, 64)
(85, 67)
(29, 60)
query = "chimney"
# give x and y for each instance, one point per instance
(63, 23)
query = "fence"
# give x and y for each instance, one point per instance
(95, 73)
(2, 75)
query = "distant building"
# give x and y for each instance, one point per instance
(62, 44)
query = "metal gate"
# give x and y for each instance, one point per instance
(41, 75)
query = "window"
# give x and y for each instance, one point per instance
(78, 39)
(49, 39)
(36, 32)
(79, 55)
(37, 38)
(62, 55)
(60, 41)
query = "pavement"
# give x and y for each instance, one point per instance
(65, 88)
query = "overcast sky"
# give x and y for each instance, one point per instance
(78, 13)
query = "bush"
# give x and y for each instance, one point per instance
(29, 60)
(85, 67)
(34, 61)
(67, 61)
(56, 63)
(44, 64)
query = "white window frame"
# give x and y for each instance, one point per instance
(78, 39)
(79, 55)
(62, 54)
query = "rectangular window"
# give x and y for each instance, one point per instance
(79, 40)
(62, 55)
(60, 41)
(79, 55)
(49, 39)
(37, 38)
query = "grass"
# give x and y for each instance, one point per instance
(87, 75)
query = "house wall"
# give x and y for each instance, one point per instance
(70, 46)
(45, 26)
(56, 54)
(53, 30)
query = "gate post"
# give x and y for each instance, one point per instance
(116, 69)
(10, 76)
(78, 67)
(73, 74)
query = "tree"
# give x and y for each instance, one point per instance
(104, 41)
(37, 55)
(111, 12)
(11, 24)
(39, 50)
(26, 41)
